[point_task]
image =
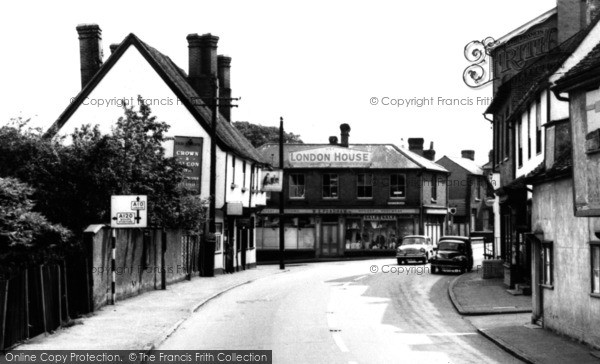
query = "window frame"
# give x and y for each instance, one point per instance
(290, 185)
(547, 245)
(398, 185)
(538, 126)
(594, 245)
(329, 186)
(365, 186)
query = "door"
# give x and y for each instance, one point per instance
(243, 233)
(329, 242)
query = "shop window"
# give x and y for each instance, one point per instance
(398, 186)
(365, 185)
(297, 186)
(353, 236)
(547, 263)
(538, 126)
(330, 185)
(379, 232)
(595, 266)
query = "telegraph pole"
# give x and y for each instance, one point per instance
(213, 157)
(281, 203)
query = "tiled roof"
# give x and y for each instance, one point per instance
(228, 137)
(562, 167)
(590, 61)
(467, 164)
(384, 156)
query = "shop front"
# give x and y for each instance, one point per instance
(315, 233)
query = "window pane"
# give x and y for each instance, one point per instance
(596, 269)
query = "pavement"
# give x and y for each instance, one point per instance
(505, 319)
(145, 321)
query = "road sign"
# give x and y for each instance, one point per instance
(129, 211)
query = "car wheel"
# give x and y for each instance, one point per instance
(399, 262)
(433, 269)
(463, 270)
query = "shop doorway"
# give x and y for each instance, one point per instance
(242, 234)
(329, 240)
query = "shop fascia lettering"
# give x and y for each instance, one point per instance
(326, 155)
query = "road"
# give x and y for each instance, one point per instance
(341, 312)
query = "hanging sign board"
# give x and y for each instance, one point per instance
(188, 152)
(272, 181)
(129, 211)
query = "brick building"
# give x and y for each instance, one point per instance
(352, 199)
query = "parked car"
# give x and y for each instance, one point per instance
(415, 248)
(453, 252)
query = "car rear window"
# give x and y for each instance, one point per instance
(408, 241)
(451, 245)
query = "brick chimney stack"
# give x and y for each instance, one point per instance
(468, 154)
(574, 15)
(90, 51)
(224, 74)
(430, 153)
(202, 67)
(415, 145)
(345, 134)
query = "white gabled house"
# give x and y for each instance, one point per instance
(181, 100)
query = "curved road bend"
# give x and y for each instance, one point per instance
(340, 312)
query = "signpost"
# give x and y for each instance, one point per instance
(126, 211)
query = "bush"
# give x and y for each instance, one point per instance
(26, 236)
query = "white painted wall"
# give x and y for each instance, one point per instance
(530, 163)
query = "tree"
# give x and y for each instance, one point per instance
(258, 134)
(26, 236)
(73, 183)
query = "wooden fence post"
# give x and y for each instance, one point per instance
(27, 302)
(43, 299)
(4, 307)
(163, 270)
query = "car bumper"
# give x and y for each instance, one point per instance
(448, 264)
(411, 256)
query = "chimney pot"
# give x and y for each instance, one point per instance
(202, 64)
(468, 154)
(345, 134)
(333, 140)
(90, 51)
(430, 153)
(113, 47)
(415, 145)
(224, 75)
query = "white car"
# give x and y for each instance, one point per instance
(415, 248)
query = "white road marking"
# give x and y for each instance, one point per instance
(339, 342)
(359, 278)
(453, 334)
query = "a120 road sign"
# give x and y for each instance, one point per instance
(129, 211)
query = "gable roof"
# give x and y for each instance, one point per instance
(468, 165)
(384, 156)
(228, 137)
(591, 62)
(525, 85)
(525, 27)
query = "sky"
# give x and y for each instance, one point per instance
(317, 64)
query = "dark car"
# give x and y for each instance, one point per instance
(453, 252)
